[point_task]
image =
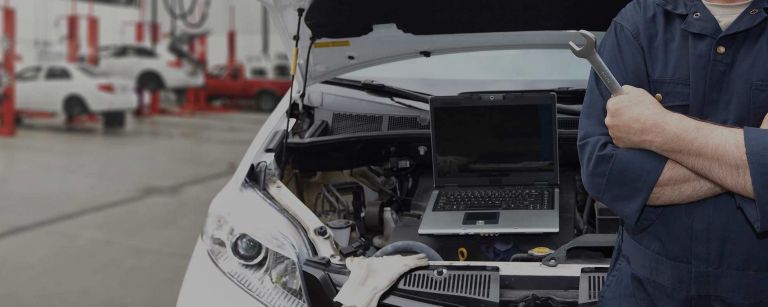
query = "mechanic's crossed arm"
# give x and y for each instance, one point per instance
(704, 159)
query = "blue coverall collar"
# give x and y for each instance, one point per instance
(685, 7)
(700, 20)
(677, 6)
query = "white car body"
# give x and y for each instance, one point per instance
(275, 216)
(260, 66)
(134, 61)
(48, 90)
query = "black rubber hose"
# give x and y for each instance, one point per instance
(574, 110)
(172, 7)
(403, 247)
(177, 11)
(203, 18)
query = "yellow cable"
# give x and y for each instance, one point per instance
(463, 254)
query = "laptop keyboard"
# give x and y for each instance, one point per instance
(521, 198)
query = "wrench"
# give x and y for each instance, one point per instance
(589, 52)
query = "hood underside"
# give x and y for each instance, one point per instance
(354, 18)
(354, 34)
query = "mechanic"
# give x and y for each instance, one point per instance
(680, 157)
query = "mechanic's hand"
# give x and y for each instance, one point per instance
(633, 117)
(765, 122)
(370, 277)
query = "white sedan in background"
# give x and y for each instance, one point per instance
(73, 90)
(150, 69)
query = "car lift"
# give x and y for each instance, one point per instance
(73, 46)
(154, 38)
(73, 34)
(232, 43)
(232, 40)
(8, 121)
(197, 98)
(93, 37)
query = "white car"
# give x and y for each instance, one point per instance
(276, 67)
(350, 173)
(150, 69)
(74, 90)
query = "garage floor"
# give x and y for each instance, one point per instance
(95, 219)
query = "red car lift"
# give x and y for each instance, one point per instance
(231, 61)
(93, 37)
(8, 122)
(196, 96)
(140, 24)
(201, 94)
(73, 34)
(154, 36)
(232, 40)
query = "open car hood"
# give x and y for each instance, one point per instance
(353, 34)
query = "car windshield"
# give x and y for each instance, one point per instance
(450, 74)
(91, 71)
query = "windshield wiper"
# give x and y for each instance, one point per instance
(380, 89)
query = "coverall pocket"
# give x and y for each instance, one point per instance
(759, 103)
(675, 95)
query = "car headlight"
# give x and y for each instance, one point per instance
(271, 275)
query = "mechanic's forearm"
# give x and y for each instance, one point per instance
(679, 185)
(718, 153)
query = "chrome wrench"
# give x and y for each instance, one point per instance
(589, 52)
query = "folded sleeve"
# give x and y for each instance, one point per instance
(623, 179)
(756, 210)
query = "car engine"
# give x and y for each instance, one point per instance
(368, 177)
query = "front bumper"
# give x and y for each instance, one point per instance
(205, 285)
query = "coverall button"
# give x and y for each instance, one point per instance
(659, 97)
(753, 12)
(696, 15)
(720, 49)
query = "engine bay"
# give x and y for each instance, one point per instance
(368, 177)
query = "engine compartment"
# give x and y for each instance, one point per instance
(368, 177)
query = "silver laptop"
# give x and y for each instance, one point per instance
(495, 165)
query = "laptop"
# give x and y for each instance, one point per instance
(495, 165)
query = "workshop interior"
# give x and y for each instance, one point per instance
(261, 152)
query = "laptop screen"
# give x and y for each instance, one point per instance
(496, 140)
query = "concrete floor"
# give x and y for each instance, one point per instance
(95, 219)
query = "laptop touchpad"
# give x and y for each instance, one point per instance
(481, 218)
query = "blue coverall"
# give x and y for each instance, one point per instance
(712, 252)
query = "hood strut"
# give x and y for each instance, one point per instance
(294, 62)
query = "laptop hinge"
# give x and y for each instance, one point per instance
(542, 183)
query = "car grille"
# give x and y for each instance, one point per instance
(591, 282)
(347, 123)
(351, 123)
(479, 285)
(406, 123)
(568, 123)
